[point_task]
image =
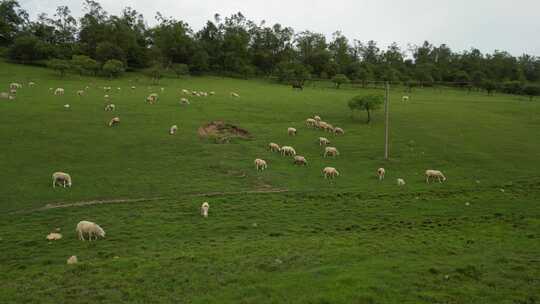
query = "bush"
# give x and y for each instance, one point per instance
(340, 79)
(512, 87)
(366, 103)
(180, 69)
(531, 91)
(60, 65)
(113, 68)
(84, 64)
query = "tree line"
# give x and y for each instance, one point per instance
(103, 44)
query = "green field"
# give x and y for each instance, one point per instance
(285, 235)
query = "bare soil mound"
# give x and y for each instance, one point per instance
(222, 132)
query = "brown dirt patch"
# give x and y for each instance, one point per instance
(222, 132)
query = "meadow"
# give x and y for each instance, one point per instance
(284, 235)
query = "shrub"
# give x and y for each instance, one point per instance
(366, 103)
(113, 68)
(340, 79)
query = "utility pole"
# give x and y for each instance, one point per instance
(386, 119)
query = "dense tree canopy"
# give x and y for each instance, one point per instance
(237, 46)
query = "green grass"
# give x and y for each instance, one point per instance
(354, 240)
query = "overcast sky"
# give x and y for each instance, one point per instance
(488, 25)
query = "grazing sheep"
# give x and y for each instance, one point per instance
(233, 94)
(323, 125)
(80, 92)
(317, 118)
(274, 147)
(61, 178)
(212, 93)
(300, 160)
(204, 209)
(87, 87)
(405, 98)
(323, 141)
(119, 89)
(13, 91)
(59, 91)
(53, 236)
(106, 97)
(400, 182)
(184, 101)
(4, 95)
(72, 260)
(338, 131)
(15, 85)
(67, 106)
(291, 131)
(91, 229)
(185, 91)
(310, 122)
(380, 173)
(113, 122)
(329, 128)
(11, 97)
(173, 129)
(152, 98)
(435, 174)
(331, 151)
(330, 172)
(286, 151)
(260, 164)
(133, 87)
(110, 107)
(31, 84)
(107, 89)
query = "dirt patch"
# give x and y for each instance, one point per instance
(222, 132)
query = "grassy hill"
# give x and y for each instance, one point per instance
(473, 239)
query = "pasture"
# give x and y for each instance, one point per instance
(283, 235)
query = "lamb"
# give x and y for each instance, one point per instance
(113, 122)
(80, 92)
(67, 106)
(260, 164)
(317, 118)
(204, 209)
(323, 141)
(173, 129)
(310, 122)
(330, 172)
(401, 182)
(15, 85)
(323, 125)
(72, 260)
(59, 92)
(61, 178)
(380, 173)
(338, 131)
(184, 101)
(152, 98)
(54, 236)
(110, 107)
(300, 160)
(274, 147)
(91, 229)
(286, 150)
(329, 128)
(291, 131)
(405, 98)
(435, 174)
(233, 94)
(331, 151)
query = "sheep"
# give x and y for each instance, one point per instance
(61, 178)
(119, 89)
(106, 89)
(330, 172)
(152, 98)
(110, 107)
(162, 90)
(331, 151)
(59, 92)
(31, 84)
(13, 92)
(4, 95)
(338, 131)
(11, 97)
(204, 209)
(323, 141)
(401, 182)
(173, 129)
(185, 91)
(310, 122)
(15, 85)
(184, 101)
(80, 92)
(212, 93)
(233, 94)
(133, 87)
(274, 147)
(67, 106)
(72, 260)
(86, 87)
(380, 173)
(114, 121)
(405, 98)
(322, 125)
(286, 150)
(435, 174)
(260, 164)
(291, 131)
(300, 160)
(53, 236)
(107, 97)
(317, 118)
(91, 229)
(329, 128)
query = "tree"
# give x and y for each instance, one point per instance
(531, 91)
(368, 103)
(106, 51)
(60, 65)
(12, 19)
(27, 49)
(113, 68)
(292, 73)
(340, 79)
(489, 86)
(180, 69)
(84, 64)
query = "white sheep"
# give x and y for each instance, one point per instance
(435, 174)
(59, 91)
(323, 141)
(114, 121)
(310, 122)
(13, 91)
(291, 131)
(323, 125)
(212, 93)
(152, 98)
(133, 87)
(260, 164)
(91, 229)
(405, 98)
(110, 107)
(287, 150)
(107, 89)
(61, 178)
(184, 101)
(233, 94)
(185, 91)
(338, 131)
(15, 85)
(331, 151)
(119, 89)
(4, 95)
(330, 172)
(400, 182)
(31, 84)
(173, 129)
(329, 128)
(380, 173)
(274, 147)
(72, 260)
(80, 92)
(300, 160)
(54, 236)
(204, 209)
(67, 106)
(317, 118)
